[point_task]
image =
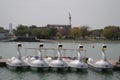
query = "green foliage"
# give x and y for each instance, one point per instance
(84, 31)
(35, 32)
(45, 33)
(96, 34)
(111, 32)
(22, 30)
(1, 28)
(52, 31)
(75, 33)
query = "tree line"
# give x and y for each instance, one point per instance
(82, 32)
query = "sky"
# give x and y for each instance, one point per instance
(94, 13)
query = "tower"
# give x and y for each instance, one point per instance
(11, 34)
(70, 19)
(10, 29)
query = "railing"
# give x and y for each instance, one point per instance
(53, 52)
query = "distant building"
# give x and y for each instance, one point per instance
(62, 29)
(4, 35)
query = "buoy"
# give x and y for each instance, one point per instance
(93, 46)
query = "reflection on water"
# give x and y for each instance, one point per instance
(7, 74)
(100, 75)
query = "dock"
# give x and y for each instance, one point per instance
(116, 64)
(3, 62)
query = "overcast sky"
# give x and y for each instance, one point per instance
(95, 13)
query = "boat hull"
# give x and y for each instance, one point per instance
(39, 68)
(99, 68)
(116, 65)
(59, 68)
(17, 67)
(77, 69)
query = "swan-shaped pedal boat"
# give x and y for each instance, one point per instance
(40, 63)
(78, 64)
(59, 64)
(17, 63)
(101, 65)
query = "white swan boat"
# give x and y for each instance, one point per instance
(17, 63)
(101, 65)
(59, 64)
(78, 64)
(40, 63)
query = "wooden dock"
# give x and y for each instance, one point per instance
(116, 65)
(3, 62)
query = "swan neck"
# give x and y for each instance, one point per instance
(79, 55)
(104, 55)
(59, 54)
(40, 54)
(19, 53)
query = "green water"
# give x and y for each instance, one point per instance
(8, 49)
(6, 74)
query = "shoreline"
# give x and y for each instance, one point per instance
(34, 39)
(69, 40)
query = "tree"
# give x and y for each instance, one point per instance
(52, 32)
(33, 26)
(1, 28)
(111, 32)
(84, 31)
(58, 35)
(97, 33)
(75, 33)
(35, 32)
(46, 33)
(22, 30)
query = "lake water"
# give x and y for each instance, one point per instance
(9, 49)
